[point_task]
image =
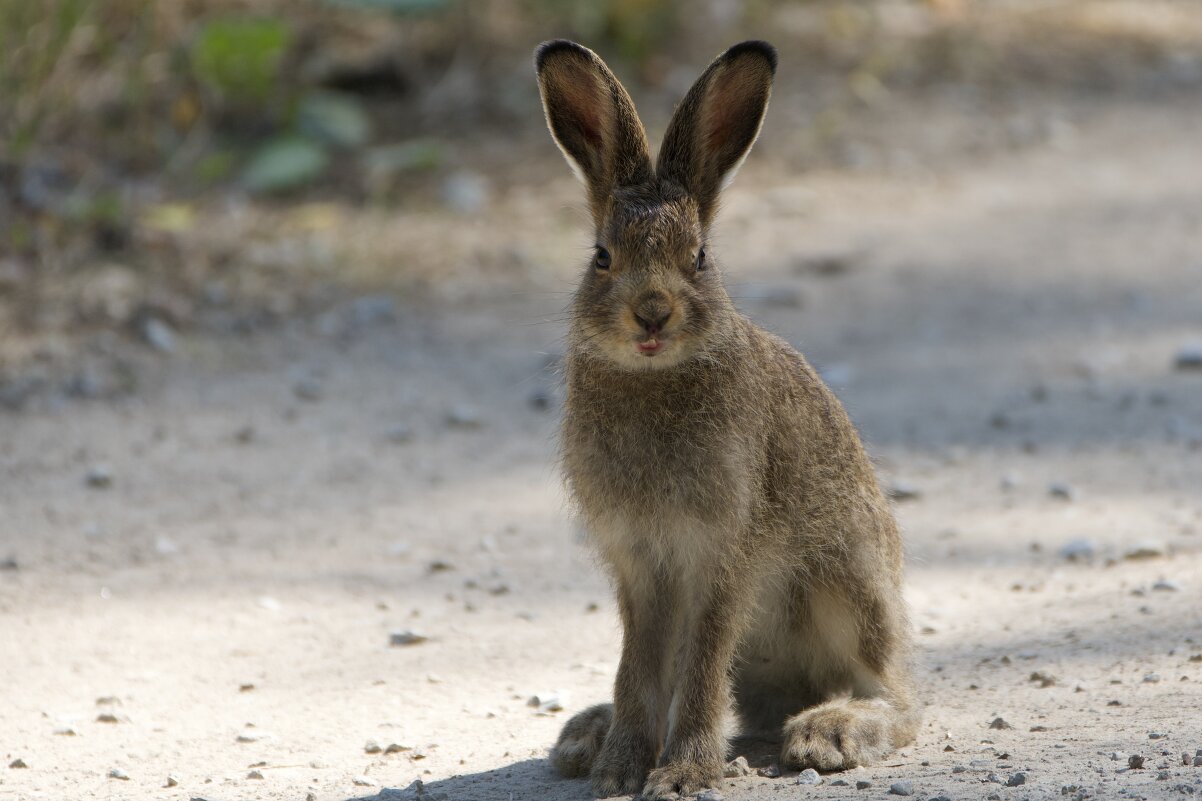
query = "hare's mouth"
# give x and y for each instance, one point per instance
(652, 346)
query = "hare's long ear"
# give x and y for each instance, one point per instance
(592, 119)
(718, 121)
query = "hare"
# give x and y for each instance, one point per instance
(756, 562)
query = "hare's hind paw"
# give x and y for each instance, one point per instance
(839, 735)
(581, 739)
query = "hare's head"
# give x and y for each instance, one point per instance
(651, 297)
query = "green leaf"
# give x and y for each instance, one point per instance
(284, 164)
(336, 119)
(240, 56)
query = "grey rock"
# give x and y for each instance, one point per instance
(372, 747)
(1166, 585)
(1151, 678)
(361, 781)
(1198, 762)
(308, 389)
(999, 723)
(840, 783)
(1015, 779)
(736, 767)
(255, 774)
(1118, 756)
(1157, 735)
(9, 563)
(401, 638)
(18, 763)
(809, 776)
(1135, 762)
(901, 788)
(157, 334)
(1145, 549)
(710, 795)
(117, 773)
(863, 784)
(172, 780)
(1080, 549)
(463, 417)
(903, 491)
(1061, 490)
(770, 772)
(99, 477)
(1189, 357)
(372, 310)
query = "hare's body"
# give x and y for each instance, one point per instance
(756, 562)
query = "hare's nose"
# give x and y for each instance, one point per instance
(653, 318)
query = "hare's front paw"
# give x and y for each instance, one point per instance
(622, 765)
(678, 779)
(838, 735)
(581, 741)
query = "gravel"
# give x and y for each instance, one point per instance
(809, 776)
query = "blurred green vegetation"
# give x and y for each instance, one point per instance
(121, 119)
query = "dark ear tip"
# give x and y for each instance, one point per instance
(756, 46)
(550, 48)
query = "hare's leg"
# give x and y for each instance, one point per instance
(640, 707)
(862, 653)
(697, 738)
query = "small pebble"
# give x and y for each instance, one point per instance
(1118, 756)
(902, 491)
(1165, 585)
(399, 434)
(548, 702)
(172, 780)
(1189, 357)
(1061, 490)
(107, 717)
(863, 784)
(1186, 759)
(372, 747)
(18, 763)
(1198, 762)
(901, 788)
(1157, 735)
(117, 773)
(1147, 549)
(770, 772)
(99, 477)
(999, 723)
(308, 389)
(255, 774)
(158, 334)
(1078, 550)
(463, 417)
(362, 781)
(1015, 779)
(736, 767)
(710, 795)
(1135, 762)
(809, 776)
(400, 638)
(66, 731)
(1151, 678)
(839, 783)
(1045, 679)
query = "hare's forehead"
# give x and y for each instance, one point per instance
(654, 224)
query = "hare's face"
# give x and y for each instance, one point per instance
(649, 296)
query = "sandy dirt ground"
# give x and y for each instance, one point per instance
(202, 582)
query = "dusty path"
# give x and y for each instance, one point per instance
(995, 330)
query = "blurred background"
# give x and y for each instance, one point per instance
(219, 164)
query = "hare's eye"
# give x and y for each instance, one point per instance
(601, 259)
(701, 265)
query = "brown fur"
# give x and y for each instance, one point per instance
(756, 562)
